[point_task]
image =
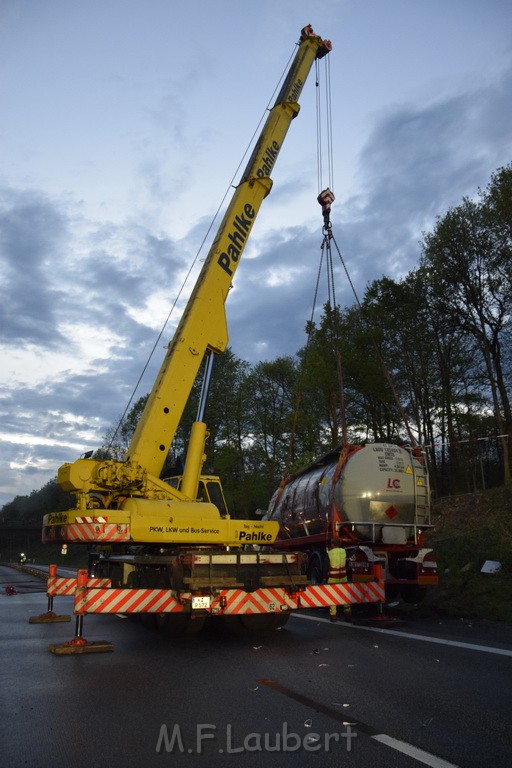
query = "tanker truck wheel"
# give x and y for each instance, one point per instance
(315, 570)
(413, 593)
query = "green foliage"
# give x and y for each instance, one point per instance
(29, 510)
(467, 258)
(471, 529)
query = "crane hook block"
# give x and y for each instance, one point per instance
(326, 198)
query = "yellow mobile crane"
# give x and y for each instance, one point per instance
(152, 533)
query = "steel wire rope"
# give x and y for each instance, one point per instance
(328, 159)
(319, 150)
(298, 393)
(385, 369)
(324, 247)
(331, 295)
(230, 185)
(328, 106)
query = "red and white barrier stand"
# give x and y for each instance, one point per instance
(382, 619)
(50, 616)
(79, 644)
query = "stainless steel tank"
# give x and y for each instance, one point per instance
(380, 490)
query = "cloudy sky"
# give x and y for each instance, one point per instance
(123, 123)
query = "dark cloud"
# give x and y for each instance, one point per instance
(122, 267)
(33, 232)
(281, 284)
(417, 163)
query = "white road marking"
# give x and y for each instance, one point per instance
(417, 754)
(412, 636)
(400, 746)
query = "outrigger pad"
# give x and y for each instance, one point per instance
(48, 618)
(79, 645)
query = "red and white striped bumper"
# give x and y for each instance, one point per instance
(89, 599)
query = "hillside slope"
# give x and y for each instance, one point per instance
(471, 529)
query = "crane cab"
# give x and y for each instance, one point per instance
(209, 490)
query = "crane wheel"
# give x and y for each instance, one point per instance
(263, 622)
(171, 625)
(175, 625)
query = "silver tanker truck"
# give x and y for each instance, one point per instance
(376, 499)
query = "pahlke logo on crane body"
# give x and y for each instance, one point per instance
(296, 89)
(268, 160)
(253, 536)
(241, 226)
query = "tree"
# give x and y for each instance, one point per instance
(30, 509)
(347, 352)
(226, 416)
(228, 406)
(469, 268)
(430, 365)
(270, 388)
(320, 420)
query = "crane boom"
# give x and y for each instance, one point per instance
(203, 327)
(136, 498)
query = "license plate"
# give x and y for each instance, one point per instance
(200, 602)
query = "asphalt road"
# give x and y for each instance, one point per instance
(425, 693)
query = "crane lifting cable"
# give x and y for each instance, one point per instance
(385, 369)
(326, 199)
(191, 268)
